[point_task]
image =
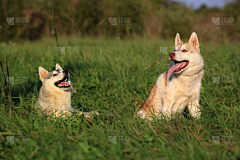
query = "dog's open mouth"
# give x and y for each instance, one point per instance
(63, 83)
(179, 65)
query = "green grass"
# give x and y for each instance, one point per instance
(115, 76)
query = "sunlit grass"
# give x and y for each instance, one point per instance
(115, 76)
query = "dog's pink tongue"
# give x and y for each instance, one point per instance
(67, 83)
(63, 83)
(73, 89)
(175, 67)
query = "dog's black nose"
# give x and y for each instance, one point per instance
(171, 55)
(65, 71)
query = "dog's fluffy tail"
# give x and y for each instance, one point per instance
(88, 114)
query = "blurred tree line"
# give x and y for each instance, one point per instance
(21, 19)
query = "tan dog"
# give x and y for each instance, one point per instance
(178, 87)
(55, 94)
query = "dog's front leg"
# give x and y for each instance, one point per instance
(179, 106)
(194, 109)
(167, 108)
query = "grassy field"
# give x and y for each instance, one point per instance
(115, 76)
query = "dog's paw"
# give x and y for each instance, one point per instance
(142, 114)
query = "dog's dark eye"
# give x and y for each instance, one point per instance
(54, 74)
(184, 50)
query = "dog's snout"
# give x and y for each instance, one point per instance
(65, 71)
(171, 55)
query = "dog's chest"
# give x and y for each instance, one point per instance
(182, 86)
(63, 100)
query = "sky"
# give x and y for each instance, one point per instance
(209, 3)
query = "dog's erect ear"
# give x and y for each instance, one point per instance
(193, 40)
(58, 67)
(42, 73)
(178, 39)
